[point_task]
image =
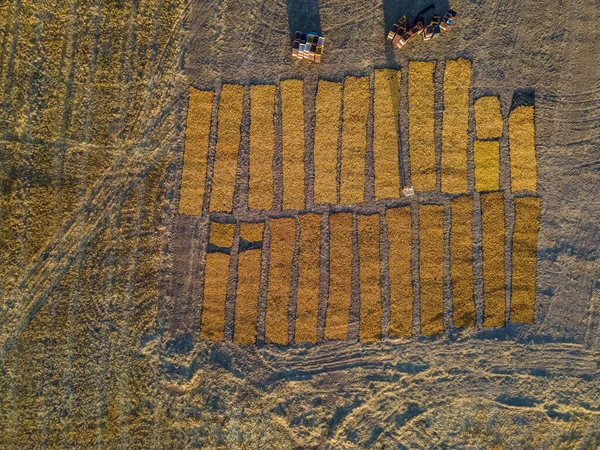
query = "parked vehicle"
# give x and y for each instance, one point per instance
(402, 31)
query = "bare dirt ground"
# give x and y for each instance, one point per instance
(98, 325)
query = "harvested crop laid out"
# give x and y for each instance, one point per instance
(523, 163)
(262, 146)
(228, 142)
(386, 107)
(486, 155)
(455, 128)
(488, 117)
(354, 139)
(461, 262)
(370, 277)
(421, 139)
(328, 109)
(524, 264)
(292, 134)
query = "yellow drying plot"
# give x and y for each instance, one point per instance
(370, 277)
(455, 127)
(401, 290)
(328, 106)
(228, 143)
(309, 270)
(523, 164)
(216, 276)
(292, 133)
(283, 238)
(248, 286)
(197, 134)
(340, 276)
(492, 229)
(461, 262)
(486, 155)
(262, 147)
(524, 265)
(431, 263)
(386, 104)
(354, 139)
(488, 117)
(420, 125)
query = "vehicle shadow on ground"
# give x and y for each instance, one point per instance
(303, 15)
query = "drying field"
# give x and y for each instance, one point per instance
(203, 245)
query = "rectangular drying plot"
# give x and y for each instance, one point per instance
(455, 126)
(340, 276)
(309, 271)
(197, 132)
(492, 230)
(216, 276)
(524, 263)
(292, 134)
(248, 283)
(461, 262)
(488, 117)
(262, 147)
(486, 155)
(523, 163)
(386, 105)
(421, 125)
(354, 139)
(328, 108)
(283, 240)
(370, 277)
(431, 268)
(228, 143)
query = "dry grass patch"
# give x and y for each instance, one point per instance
(328, 108)
(461, 262)
(309, 272)
(488, 117)
(354, 139)
(401, 290)
(523, 163)
(431, 268)
(197, 132)
(283, 242)
(421, 125)
(524, 263)
(292, 133)
(455, 128)
(386, 104)
(228, 143)
(492, 217)
(370, 278)
(340, 276)
(486, 155)
(262, 147)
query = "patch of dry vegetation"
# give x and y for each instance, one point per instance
(370, 278)
(461, 262)
(486, 155)
(488, 117)
(523, 163)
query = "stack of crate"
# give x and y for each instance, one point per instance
(308, 46)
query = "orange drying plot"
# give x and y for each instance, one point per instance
(283, 239)
(455, 127)
(431, 268)
(354, 139)
(399, 231)
(524, 264)
(370, 278)
(340, 276)
(421, 125)
(492, 229)
(386, 104)
(197, 132)
(486, 155)
(228, 143)
(309, 271)
(292, 134)
(328, 108)
(523, 163)
(248, 285)
(262, 147)
(488, 117)
(461, 262)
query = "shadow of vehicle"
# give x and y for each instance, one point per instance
(303, 15)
